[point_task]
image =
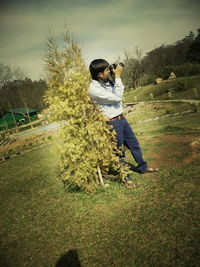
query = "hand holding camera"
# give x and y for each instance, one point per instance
(116, 69)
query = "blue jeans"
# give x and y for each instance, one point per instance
(126, 136)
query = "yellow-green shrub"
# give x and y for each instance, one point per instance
(84, 140)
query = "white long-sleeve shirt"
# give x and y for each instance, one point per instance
(108, 97)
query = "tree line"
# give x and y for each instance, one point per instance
(17, 89)
(181, 57)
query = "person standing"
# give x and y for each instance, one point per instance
(108, 95)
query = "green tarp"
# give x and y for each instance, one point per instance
(20, 116)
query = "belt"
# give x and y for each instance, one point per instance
(119, 117)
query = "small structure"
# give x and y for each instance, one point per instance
(18, 116)
(172, 76)
(158, 80)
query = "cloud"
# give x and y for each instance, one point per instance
(103, 28)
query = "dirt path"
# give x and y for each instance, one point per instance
(162, 150)
(172, 150)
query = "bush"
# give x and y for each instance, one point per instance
(187, 69)
(147, 79)
(169, 109)
(84, 142)
(165, 72)
(181, 85)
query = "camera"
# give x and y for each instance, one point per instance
(112, 75)
(114, 66)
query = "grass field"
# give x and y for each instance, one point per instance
(156, 224)
(180, 88)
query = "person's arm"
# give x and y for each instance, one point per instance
(102, 96)
(118, 86)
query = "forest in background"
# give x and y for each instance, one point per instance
(181, 57)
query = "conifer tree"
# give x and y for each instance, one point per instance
(85, 144)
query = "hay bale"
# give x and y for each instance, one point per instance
(158, 80)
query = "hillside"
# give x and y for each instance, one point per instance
(180, 88)
(155, 224)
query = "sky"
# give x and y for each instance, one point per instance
(103, 28)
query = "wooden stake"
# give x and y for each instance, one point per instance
(4, 120)
(26, 107)
(13, 117)
(100, 176)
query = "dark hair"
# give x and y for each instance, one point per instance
(96, 66)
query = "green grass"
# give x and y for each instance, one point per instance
(159, 91)
(153, 225)
(148, 110)
(180, 125)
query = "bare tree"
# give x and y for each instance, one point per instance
(26, 107)
(133, 67)
(5, 74)
(8, 74)
(18, 74)
(13, 116)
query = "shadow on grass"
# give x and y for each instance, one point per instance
(69, 259)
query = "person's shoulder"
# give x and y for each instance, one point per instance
(94, 84)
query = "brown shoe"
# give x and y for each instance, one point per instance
(151, 169)
(129, 185)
